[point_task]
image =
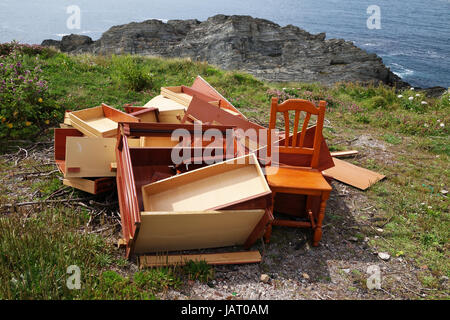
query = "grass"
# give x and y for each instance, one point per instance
(37, 248)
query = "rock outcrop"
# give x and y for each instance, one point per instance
(258, 46)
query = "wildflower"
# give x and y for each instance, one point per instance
(426, 125)
(417, 95)
(400, 96)
(424, 102)
(442, 125)
(411, 98)
(47, 121)
(15, 113)
(412, 89)
(27, 123)
(9, 125)
(40, 100)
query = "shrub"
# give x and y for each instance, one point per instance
(25, 105)
(378, 102)
(130, 71)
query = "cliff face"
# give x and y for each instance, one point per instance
(258, 46)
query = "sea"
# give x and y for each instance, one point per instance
(411, 36)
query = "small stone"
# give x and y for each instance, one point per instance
(444, 191)
(305, 276)
(380, 230)
(384, 256)
(346, 270)
(265, 278)
(354, 239)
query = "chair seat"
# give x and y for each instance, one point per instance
(289, 178)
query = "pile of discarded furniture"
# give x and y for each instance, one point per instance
(190, 176)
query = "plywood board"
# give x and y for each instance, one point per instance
(89, 157)
(147, 261)
(355, 176)
(207, 188)
(164, 104)
(170, 231)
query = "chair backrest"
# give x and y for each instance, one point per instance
(296, 145)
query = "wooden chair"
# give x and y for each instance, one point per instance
(298, 180)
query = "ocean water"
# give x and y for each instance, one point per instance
(414, 39)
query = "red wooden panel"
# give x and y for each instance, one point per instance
(60, 137)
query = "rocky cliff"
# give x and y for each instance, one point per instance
(258, 46)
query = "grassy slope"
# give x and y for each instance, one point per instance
(414, 212)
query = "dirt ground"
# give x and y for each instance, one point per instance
(337, 269)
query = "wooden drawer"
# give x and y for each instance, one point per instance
(91, 185)
(99, 121)
(210, 188)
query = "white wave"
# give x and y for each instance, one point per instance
(400, 70)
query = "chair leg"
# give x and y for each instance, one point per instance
(268, 232)
(318, 229)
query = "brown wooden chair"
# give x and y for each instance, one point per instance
(298, 180)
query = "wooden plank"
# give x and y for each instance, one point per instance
(92, 156)
(170, 231)
(355, 176)
(149, 261)
(343, 154)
